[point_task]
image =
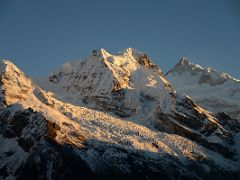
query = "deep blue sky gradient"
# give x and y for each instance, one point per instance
(40, 35)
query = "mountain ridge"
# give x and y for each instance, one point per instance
(185, 65)
(215, 91)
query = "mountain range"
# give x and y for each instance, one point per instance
(118, 115)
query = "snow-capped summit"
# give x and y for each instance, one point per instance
(184, 65)
(14, 84)
(215, 91)
(131, 51)
(8, 66)
(103, 74)
(207, 75)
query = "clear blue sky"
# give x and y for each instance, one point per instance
(39, 35)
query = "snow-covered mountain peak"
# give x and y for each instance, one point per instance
(15, 85)
(184, 61)
(215, 91)
(205, 75)
(8, 66)
(185, 66)
(102, 73)
(10, 72)
(125, 52)
(131, 51)
(102, 53)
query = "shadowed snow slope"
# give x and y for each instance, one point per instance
(108, 115)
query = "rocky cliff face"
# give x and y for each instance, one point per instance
(109, 115)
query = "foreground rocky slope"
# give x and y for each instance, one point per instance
(108, 115)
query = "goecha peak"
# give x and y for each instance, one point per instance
(109, 115)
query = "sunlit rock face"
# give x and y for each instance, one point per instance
(110, 115)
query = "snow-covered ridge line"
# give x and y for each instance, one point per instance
(215, 91)
(186, 66)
